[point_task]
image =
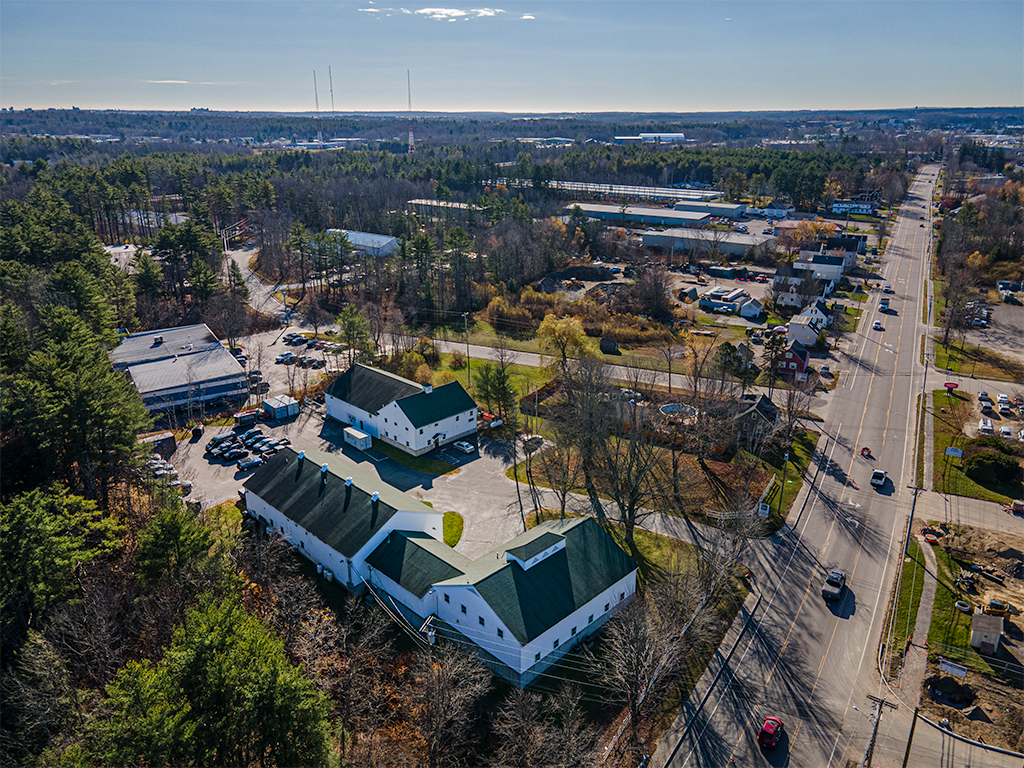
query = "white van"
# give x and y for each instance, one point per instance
(985, 427)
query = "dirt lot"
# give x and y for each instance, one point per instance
(985, 704)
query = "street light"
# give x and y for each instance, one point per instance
(785, 466)
(469, 366)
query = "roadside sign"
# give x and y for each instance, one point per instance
(957, 670)
(951, 385)
(956, 453)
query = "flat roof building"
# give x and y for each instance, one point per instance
(703, 241)
(640, 215)
(368, 243)
(182, 367)
(727, 210)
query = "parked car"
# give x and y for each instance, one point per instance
(877, 325)
(234, 454)
(878, 478)
(771, 732)
(1006, 432)
(259, 387)
(285, 357)
(465, 447)
(249, 463)
(1001, 399)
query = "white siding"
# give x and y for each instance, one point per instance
(394, 426)
(348, 413)
(506, 649)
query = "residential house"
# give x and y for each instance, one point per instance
(794, 362)
(333, 512)
(821, 265)
(818, 311)
(416, 418)
(803, 330)
(757, 415)
(779, 210)
(730, 302)
(745, 355)
(520, 607)
(800, 287)
(751, 309)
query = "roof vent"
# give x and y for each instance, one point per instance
(302, 455)
(427, 389)
(323, 469)
(348, 481)
(158, 339)
(375, 496)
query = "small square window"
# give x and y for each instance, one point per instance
(421, 431)
(607, 606)
(456, 418)
(446, 599)
(574, 630)
(536, 656)
(481, 620)
(501, 633)
(556, 643)
(590, 618)
(463, 608)
(622, 595)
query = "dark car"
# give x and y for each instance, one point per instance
(771, 731)
(251, 462)
(234, 454)
(834, 584)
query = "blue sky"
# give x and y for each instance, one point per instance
(538, 56)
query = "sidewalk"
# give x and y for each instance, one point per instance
(916, 660)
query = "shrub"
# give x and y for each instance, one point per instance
(423, 375)
(443, 377)
(508, 319)
(992, 468)
(411, 361)
(458, 361)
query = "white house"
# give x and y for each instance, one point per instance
(520, 607)
(333, 512)
(751, 309)
(797, 293)
(416, 418)
(820, 312)
(822, 266)
(804, 330)
(778, 210)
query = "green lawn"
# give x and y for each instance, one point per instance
(909, 598)
(225, 522)
(453, 524)
(526, 378)
(415, 463)
(947, 474)
(977, 361)
(800, 452)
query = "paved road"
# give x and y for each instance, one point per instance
(804, 660)
(261, 295)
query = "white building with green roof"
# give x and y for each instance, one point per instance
(416, 418)
(520, 607)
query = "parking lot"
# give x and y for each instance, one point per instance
(262, 350)
(478, 490)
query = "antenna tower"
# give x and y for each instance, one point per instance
(331, 81)
(408, 77)
(316, 97)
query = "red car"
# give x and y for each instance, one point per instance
(771, 731)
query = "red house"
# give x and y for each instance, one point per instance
(795, 359)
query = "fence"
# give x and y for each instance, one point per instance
(761, 509)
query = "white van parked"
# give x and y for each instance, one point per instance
(985, 427)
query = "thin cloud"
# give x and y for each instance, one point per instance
(451, 14)
(527, 16)
(169, 82)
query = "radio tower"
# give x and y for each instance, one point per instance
(408, 77)
(316, 97)
(331, 81)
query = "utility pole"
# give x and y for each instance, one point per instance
(785, 466)
(881, 704)
(910, 739)
(469, 366)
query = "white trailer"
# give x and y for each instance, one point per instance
(358, 439)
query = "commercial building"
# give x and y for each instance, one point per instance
(725, 210)
(520, 607)
(705, 241)
(186, 367)
(635, 214)
(368, 244)
(413, 417)
(665, 137)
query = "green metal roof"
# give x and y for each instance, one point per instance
(416, 560)
(343, 517)
(531, 601)
(425, 408)
(534, 546)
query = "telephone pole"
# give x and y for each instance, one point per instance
(881, 704)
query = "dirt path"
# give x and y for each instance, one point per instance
(916, 659)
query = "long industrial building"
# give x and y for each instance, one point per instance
(634, 214)
(726, 210)
(704, 241)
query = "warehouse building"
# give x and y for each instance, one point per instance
(703, 241)
(725, 210)
(367, 243)
(175, 368)
(635, 214)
